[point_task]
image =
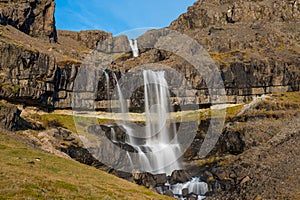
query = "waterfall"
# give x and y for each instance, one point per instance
(134, 47)
(161, 141)
(122, 101)
(156, 143)
(107, 83)
(113, 135)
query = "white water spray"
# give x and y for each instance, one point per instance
(134, 47)
(194, 186)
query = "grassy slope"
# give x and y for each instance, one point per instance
(28, 173)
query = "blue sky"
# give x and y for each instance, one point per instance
(117, 16)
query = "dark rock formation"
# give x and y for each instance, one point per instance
(149, 180)
(34, 17)
(9, 116)
(231, 141)
(57, 140)
(34, 78)
(179, 176)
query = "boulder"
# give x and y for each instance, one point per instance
(185, 192)
(169, 193)
(179, 176)
(149, 180)
(9, 116)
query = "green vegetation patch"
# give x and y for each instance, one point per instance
(26, 173)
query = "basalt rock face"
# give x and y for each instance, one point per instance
(34, 17)
(34, 78)
(88, 38)
(254, 43)
(34, 71)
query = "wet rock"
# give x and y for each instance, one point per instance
(220, 174)
(207, 177)
(114, 132)
(169, 193)
(192, 197)
(185, 192)
(179, 176)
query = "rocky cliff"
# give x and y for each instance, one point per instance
(90, 39)
(254, 44)
(9, 116)
(34, 17)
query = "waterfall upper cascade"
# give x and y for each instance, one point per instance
(134, 47)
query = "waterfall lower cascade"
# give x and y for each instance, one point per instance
(134, 47)
(156, 143)
(195, 186)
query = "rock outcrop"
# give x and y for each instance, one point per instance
(90, 39)
(9, 116)
(34, 17)
(34, 78)
(149, 180)
(204, 13)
